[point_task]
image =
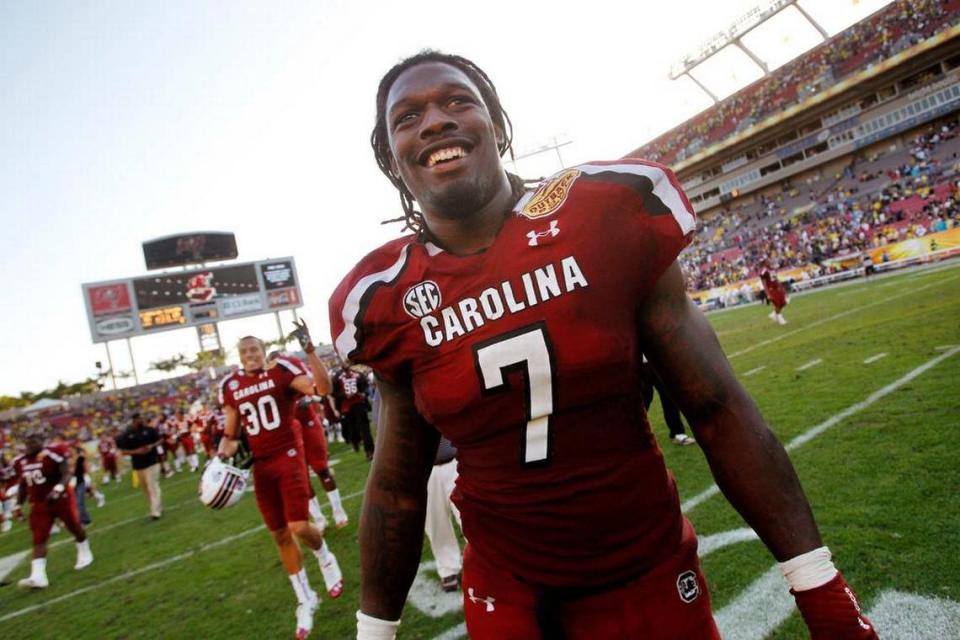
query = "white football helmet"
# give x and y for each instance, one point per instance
(222, 485)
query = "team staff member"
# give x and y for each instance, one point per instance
(511, 323)
(259, 400)
(140, 443)
(44, 474)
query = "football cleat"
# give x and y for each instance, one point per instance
(101, 500)
(222, 485)
(332, 577)
(305, 613)
(34, 583)
(340, 519)
(683, 440)
(84, 560)
(6, 526)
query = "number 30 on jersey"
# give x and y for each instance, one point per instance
(264, 414)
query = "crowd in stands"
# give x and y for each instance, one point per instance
(898, 26)
(87, 417)
(905, 194)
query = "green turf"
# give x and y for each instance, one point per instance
(882, 483)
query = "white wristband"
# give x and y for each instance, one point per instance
(809, 570)
(370, 628)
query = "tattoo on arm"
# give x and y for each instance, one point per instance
(391, 525)
(749, 464)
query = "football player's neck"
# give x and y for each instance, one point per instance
(465, 234)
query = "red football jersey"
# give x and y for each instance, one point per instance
(42, 471)
(265, 401)
(107, 447)
(350, 389)
(525, 356)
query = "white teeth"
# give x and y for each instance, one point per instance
(448, 153)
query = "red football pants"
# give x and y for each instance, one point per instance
(42, 515)
(669, 602)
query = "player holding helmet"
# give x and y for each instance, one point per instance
(259, 401)
(513, 323)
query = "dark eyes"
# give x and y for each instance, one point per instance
(407, 117)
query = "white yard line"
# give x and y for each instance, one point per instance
(854, 309)
(755, 371)
(150, 567)
(873, 359)
(810, 364)
(944, 347)
(835, 419)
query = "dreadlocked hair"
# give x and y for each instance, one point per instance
(412, 218)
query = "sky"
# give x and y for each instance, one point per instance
(125, 121)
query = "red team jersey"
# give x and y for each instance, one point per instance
(525, 356)
(42, 471)
(265, 401)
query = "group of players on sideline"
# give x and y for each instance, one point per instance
(54, 474)
(503, 325)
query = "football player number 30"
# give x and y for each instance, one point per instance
(265, 414)
(528, 351)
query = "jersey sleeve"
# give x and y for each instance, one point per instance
(658, 216)
(223, 395)
(289, 369)
(366, 316)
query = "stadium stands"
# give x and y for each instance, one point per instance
(907, 193)
(884, 34)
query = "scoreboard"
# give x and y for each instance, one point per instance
(173, 300)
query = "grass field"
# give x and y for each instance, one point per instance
(882, 473)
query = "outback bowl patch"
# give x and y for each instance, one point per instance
(550, 195)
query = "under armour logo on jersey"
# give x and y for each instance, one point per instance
(477, 600)
(534, 237)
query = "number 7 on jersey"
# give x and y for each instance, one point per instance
(527, 350)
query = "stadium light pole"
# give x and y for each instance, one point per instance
(113, 378)
(133, 364)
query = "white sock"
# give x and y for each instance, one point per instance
(315, 511)
(334, 498)
(38, 568)
(301, 586)
(83, 547)
(98, 494)
(194, 462)
(323, 553)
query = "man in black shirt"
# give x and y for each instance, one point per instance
(140, 443)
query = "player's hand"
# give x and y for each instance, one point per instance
(302, 334)
(832, 612)
(56, 493)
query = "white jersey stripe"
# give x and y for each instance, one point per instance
(289, 366)
(222, 384)
(56, 457)
(346, 342)
(662, 187)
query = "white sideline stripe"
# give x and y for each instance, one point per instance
(810, 364)
(758, 610)
(873, 359)
(835, 316)
(813, 432)
(131, 574)
(150, 567)
(908, 616)
(944, 347)
(753, 371)
(459, 631)
(9, 563)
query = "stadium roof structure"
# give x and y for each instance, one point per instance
(733, 35)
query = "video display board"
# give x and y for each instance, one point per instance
(177, 299)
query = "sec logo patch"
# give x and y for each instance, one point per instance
(550, 196)
(422, 299)
(233, 385)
